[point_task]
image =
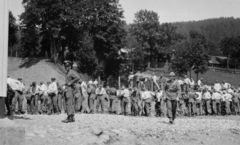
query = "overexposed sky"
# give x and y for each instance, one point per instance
(169, 10)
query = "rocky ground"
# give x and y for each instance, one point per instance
(100, 129)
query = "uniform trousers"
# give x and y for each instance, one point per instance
(60, 102)
(69, 96)
(171, 108)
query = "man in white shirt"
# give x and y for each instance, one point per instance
(34, 91)
(206, 101)
(43, 97)
(199, 102)
(147, 97)
(159, 97)
(85, 107)
(187, 80)
(52, 92)
(125, 93)
(200, 82)
(216, 102)
(228, 101)
(192, 83)
(16, 95)
(101, 99)
(225, 85)
(217, 86)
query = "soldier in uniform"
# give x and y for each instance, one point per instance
(172, 91)
(71, 78)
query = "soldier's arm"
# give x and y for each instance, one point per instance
(75, 77)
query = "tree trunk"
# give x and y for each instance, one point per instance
(197, 76)
(190, 72)
(227, 62)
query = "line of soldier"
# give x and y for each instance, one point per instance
(92, 97)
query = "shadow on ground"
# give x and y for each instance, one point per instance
(18, 117)
(28, 62)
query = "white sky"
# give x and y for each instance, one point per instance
(169, 10)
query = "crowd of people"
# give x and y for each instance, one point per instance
(145, 97)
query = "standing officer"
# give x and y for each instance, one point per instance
(71, 78)
(172, 91)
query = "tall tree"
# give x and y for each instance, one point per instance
(13, 39)
(198, 54)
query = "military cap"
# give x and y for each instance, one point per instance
(172, 74)
(67, 62)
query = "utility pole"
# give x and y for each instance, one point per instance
(3, 53)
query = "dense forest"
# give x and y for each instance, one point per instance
(214, 30)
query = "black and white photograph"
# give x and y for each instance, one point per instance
(119, 72)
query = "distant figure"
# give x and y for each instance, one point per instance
(217, 86)
(172, 91)
(200, 83)
(130, 79)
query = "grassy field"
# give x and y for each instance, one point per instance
(211, 76)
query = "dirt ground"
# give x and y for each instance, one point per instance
(97, 129)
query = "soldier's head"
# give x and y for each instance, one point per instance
(68, 65)
(172, 76)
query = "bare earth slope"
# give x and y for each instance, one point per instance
(34, 70)
(98, 129)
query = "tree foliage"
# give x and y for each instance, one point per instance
(13, 29)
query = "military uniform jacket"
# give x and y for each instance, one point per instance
(172, 90)
(71, 78)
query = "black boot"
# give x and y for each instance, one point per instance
(67, 119)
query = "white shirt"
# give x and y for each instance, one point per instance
(192, 83)
(180, 82)
(125, 93)
(230, 91)
(226, 85)
(206, 95)
(36, 91)
(130, 77)
(52, 88)
(95, 82)
(154, 78)
(100, 92)
(43, 89)
(227, 97)
(199, 94)
(199, 83)
(90, 82)
(159, 95)
(216, 96)
(14, 84)
(84, 88)
(217, 87)
(146, 95)
(187, 81)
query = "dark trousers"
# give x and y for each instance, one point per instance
(171, 108)
(69, 102)
(34, 104)
(125, 102)
(147, 106)
(191, 108)
(216, 104)
(18, 98)
(207, 106)
(60, 103)
(92, 103)
(8, 101)
(101, 103)
(42, 104)
(53, 103)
